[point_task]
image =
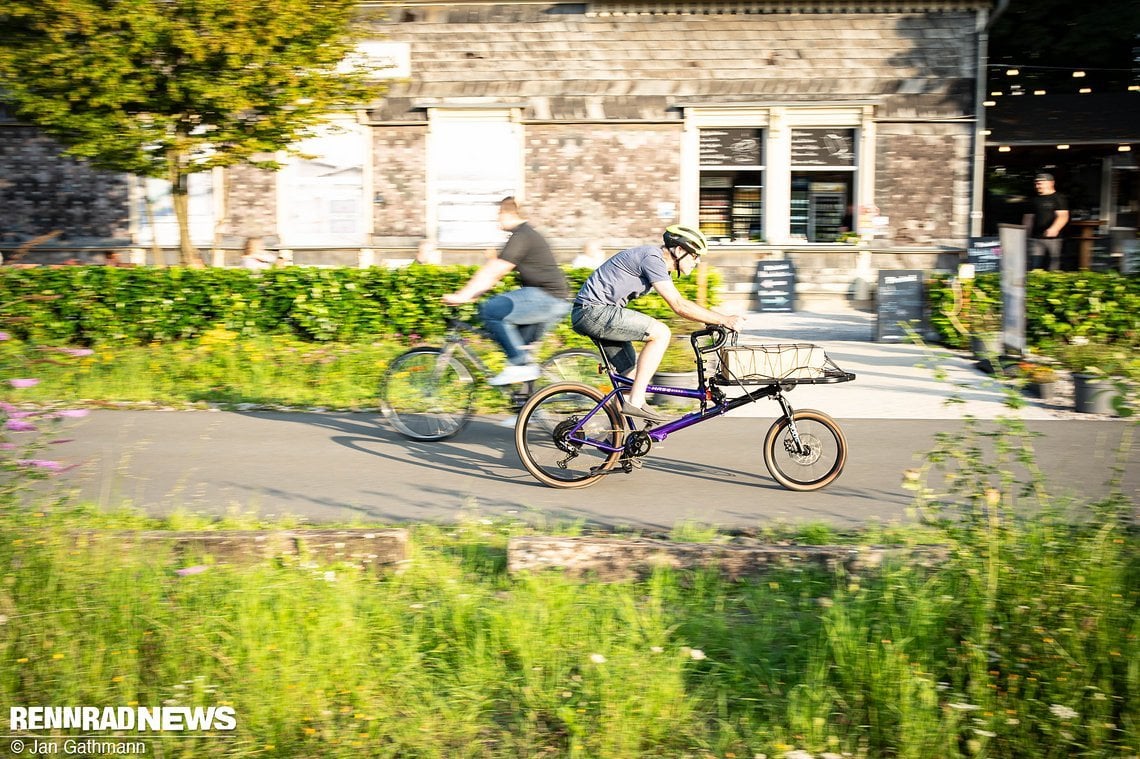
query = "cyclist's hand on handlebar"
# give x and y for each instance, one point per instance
(733, 322)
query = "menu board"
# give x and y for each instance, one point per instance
(731, 147)
(984, 253)
(900, 303)
(823, 147)
(776, 286)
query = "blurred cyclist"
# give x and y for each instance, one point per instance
(518, 319)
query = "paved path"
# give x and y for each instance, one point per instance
(345, 467)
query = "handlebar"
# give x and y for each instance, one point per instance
(719, 334)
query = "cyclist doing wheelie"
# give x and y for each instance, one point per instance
(600, 311)
(519, 318)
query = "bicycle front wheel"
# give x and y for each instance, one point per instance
(550, 446)
(426, 395)
(814, 464)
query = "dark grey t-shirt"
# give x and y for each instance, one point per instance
(625, 276)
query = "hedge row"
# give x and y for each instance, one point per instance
(1103, 307)
(87, 305)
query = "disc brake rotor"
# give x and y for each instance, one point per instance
(810, 449)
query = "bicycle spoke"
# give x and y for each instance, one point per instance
(427, 395)
(557, 437)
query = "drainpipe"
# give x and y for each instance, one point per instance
(979, 173)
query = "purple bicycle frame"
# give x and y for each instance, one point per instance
(657, 434)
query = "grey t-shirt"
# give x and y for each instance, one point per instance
(625, 276)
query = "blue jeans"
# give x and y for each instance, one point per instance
(520, 317)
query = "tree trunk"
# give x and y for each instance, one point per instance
(180, 199)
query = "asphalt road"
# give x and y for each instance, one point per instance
(339, 467)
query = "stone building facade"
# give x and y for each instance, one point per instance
(775, 125)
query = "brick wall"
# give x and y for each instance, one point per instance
(42, 191)
(594, 181)
(399, 166)
(922, 177)
(251, 205)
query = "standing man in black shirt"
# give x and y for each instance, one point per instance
(519, 318)
(1050, 215)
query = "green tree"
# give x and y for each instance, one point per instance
(167, 88)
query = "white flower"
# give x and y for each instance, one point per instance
(1061, 711)
(697, 654)
(964, 707)
(656, 649)
(985, 733)
(597, 659)
(798, 754)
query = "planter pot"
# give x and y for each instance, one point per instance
(1093, 394)
(986, 345)
(987, 349)
(1043, 390)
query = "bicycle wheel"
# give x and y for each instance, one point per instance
(427, 396)
(577, 365)
(821, 460)
(542, 435)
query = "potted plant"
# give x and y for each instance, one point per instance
(1039, 380)
(1100, 373)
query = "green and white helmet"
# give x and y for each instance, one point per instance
(678, 236)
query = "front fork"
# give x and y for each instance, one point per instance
(790, 416)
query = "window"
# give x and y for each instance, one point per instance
(822, 184)
(322, 197)
(475, 160)
(158, 223)
(779, 174)
(732, 184)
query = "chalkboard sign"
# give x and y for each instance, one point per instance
(900, 299)
(731, 147)
(776, 286)
(985, 254)
(823, 147)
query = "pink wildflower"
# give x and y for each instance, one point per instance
(17, 425)
(22, 383)
(51, 466)
(5, 336)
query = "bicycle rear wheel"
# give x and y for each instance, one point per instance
(426, 395)
(818, 463)
(544, 442)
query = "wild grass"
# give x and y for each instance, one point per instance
(1022, 644)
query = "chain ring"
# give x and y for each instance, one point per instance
(637, 444)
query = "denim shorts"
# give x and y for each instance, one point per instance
(614, 328)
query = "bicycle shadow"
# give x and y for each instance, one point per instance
(478, 450)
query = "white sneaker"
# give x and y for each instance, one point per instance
(516, 373)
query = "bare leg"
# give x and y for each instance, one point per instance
(647, 362)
